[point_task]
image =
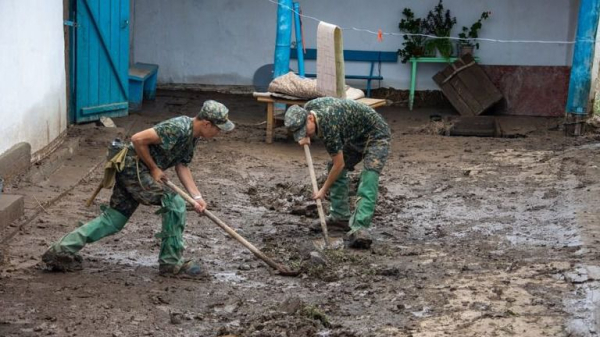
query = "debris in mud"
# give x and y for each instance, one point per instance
(310, 210)
(252, 190)
(291, 305)
(285, 198)
(317, 259)
(3, 256)
(292, 318)
(62, 262)
(176, 317)
(432, 128)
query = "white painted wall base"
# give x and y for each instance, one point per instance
(33, 107)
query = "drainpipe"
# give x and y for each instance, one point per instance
(284, 38)
(583, 56)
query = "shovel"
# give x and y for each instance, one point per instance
(326, 243)
(284, 271)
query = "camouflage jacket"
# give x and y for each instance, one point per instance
(341, 120)
(177, 143)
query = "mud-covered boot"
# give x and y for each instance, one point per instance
(62, 261)
(189, 269)
(339, 211)
(360, 221)
(333, 225)
(170, 259)
(360, 239)
(62, 255)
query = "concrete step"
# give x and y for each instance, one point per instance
(11, 208)
(77, 158)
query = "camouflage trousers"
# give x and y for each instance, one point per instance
(372, 151)
(134, 186)
(132, 189)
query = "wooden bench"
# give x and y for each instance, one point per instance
(374, 57)
(271, 101)
(142, 84)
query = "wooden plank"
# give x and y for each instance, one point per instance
(139, 73)
(372, 102)
(104, 108)
(278, 100)
(479, 126)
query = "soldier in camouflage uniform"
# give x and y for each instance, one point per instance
(352, 132)
(168, 144)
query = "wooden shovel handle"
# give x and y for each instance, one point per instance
(282, 270)
(91, 199)
(313, 179)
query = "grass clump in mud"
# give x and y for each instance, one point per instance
(293, 318)
(342, 256)
(315, 314)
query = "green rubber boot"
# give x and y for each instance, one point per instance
(173, 223)
(170, 259)
(339, 210)
(360, 221)
(62, 255)
(338, 196)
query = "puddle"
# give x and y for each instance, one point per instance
(132, 258)
(234, 278)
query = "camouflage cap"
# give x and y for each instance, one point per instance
(295, 121)
(216, 113)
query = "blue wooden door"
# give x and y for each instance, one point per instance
(101, 59)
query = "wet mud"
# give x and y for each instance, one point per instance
(472, 237)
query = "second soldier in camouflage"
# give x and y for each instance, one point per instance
(352, 132)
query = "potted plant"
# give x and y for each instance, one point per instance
(414, 40)
(439, 22)
(468, 37)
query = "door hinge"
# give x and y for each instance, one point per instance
(71, 23)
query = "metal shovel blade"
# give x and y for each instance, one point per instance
(334, 243)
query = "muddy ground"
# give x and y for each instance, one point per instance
(473, 237)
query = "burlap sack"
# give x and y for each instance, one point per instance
(294, 85)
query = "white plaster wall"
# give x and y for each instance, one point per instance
(223, 42)
(33, 106)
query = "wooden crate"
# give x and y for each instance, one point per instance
(467, 87)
